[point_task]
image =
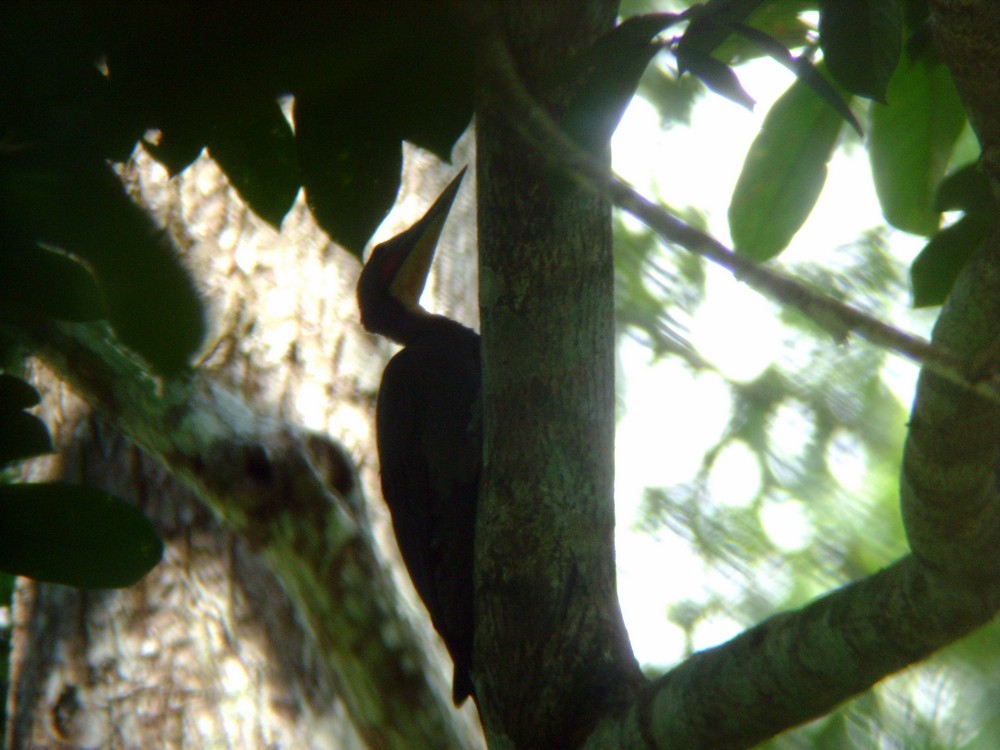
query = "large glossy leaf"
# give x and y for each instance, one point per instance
(351, 174)
(22, 436)
(861, 41)
(936, 268)
(40, 281)
(74, 535)
(16, 394)
(255, 147)
(911, 141)
(79, 205)
(803, 69)
(783, 173)
(604, 78)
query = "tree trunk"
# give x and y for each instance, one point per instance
(549, 629)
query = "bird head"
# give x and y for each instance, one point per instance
(393, 279)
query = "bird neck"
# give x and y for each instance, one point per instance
(405, 325)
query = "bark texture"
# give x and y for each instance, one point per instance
(968, 36)
(549, 630)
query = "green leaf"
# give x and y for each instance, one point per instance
(605, 76)
(351, 173)
(428, 83)
(78, 536)
(966, 189)
(803, 69)
(936, 268)
(861, 42)
(16, 394)
(783, 173)
(711, 24)
(22, 436)
(718, 76)
(255, 147)
(911, 141)
(79, 205)
(41, 281)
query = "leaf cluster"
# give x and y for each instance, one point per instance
(79, 536)
(84, 83)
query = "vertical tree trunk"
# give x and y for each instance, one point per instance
(550, 634)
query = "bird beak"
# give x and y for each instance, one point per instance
(408, 284)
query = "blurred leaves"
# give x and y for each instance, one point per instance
(255, 147)
(42, 281)
(22, 435)
(78, 536)
(911, 141)
(605, 76)
(934, 271)
(59, 532)
(783, 173)
(861, 42)
(79, 206)
(351, 175)
(96, 77)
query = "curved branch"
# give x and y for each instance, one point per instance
(797, 666)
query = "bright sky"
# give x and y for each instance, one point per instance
(671, 415)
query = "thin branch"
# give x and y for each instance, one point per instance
(539, 129)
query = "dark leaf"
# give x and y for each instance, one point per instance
(911, 142)
(966, 189)
(351, 173)
(15, 394)
(935, 269)
(605, 76)
(40, 281)
(711, 24)
(718, 76)
(175, 149)
(804, 70)
(428, 83)
(779, 21)
(78, 536)
(81, 207)
(783, 173)
(255, 147)
(22, 436)
(861, 41)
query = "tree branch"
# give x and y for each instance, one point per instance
(537, 127)
(255, 474)
(799, 665)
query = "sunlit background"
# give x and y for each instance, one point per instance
(767, 475)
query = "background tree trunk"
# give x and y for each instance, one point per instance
(208, 649)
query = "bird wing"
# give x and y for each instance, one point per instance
(430, 451)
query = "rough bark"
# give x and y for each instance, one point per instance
(968, 36)
(549, 630)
